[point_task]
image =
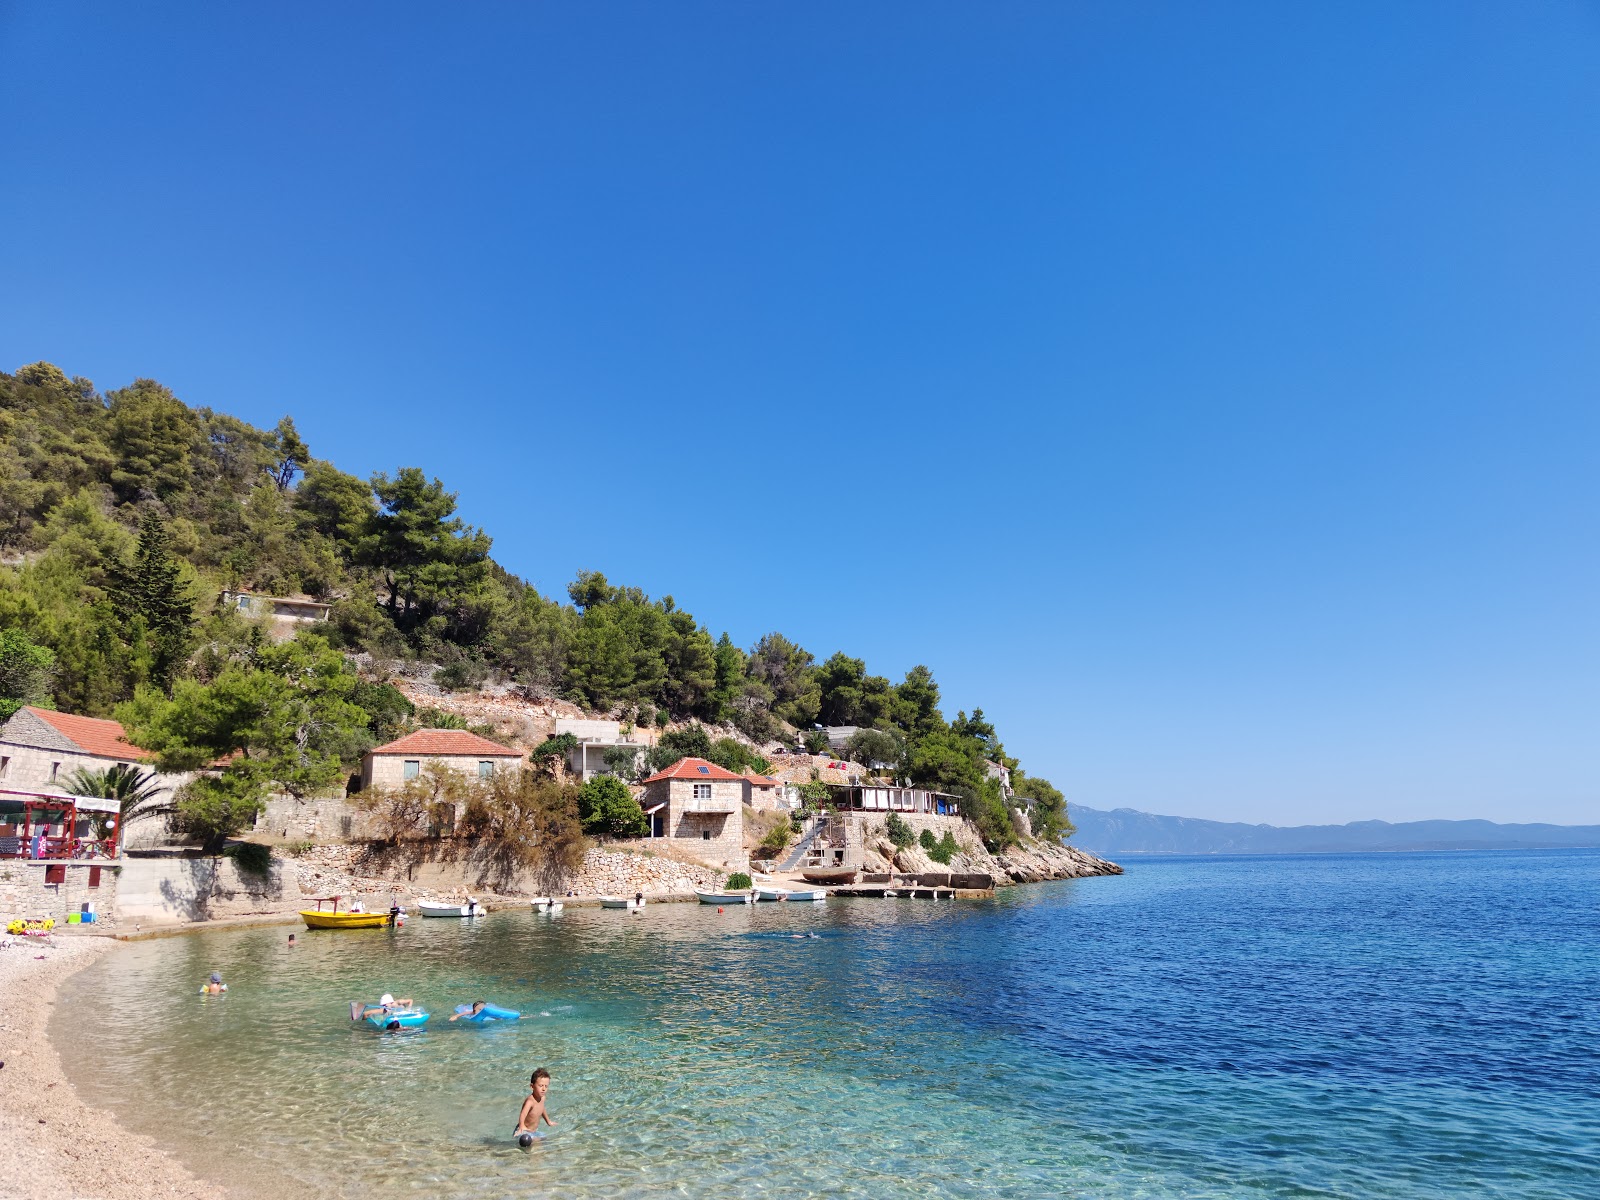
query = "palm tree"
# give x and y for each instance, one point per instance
(135, 792)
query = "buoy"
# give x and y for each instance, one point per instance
(719, 908)
(525, 1140)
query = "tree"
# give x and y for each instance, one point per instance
(605, 806)
(728, 679)
(25, 672)
(873, 748)
(552, 753)
(388, 711)
(431, 560)
(153, 434)
(899, 831)
(849, 696)
(915, 705)
(154, 605)
(289, 454)
(733, 755)
(690, 742)
(622, 761)
(1047, 807)
(336, 505)
(787, 670)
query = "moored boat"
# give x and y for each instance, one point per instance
(620, 902)
(839, 875)
(434, 908)
(542, 902)
(334, 919)
(722, 897)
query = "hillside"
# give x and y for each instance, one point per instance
(128, 519)
(1125, 831)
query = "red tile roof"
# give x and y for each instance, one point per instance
(694, 768)
(440, 743)
(761, 780)
(93, 735)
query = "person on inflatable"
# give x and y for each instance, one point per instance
(386, 1004)
(214, 987)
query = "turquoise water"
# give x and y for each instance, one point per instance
(1352, 1026)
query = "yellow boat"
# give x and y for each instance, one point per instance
(334, 919)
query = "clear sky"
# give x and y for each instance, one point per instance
(1207, 391)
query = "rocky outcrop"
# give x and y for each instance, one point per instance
(1034, 861)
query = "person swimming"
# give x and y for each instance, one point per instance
(214, 987)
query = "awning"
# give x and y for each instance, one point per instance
(60, 800)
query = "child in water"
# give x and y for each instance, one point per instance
(533, 1109)
(215, 986)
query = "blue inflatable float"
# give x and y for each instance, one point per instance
(489, 1012)
(389, 1018)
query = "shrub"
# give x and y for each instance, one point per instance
(459, 676)
(816, 741)
(438, 718)
(737, 882)
(898, 831)
(776, 841)
(296, 849)
(928, 840)
(944, 849)
(605, 806)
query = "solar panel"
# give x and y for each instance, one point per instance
(704, 770)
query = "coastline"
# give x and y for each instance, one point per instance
(52, 1144)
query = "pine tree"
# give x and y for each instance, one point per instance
(151, 599)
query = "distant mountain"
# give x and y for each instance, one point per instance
(1128, 831)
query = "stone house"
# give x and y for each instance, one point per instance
(763, 791)
(702, 805)
(595, 739)
(455, 749)
(41, 749)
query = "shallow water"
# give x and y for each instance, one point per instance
(1358, 1025)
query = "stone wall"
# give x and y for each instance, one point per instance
(24, 892)
(313, 820)
(167, 888)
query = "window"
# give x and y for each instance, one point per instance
(705, 835)
(56, 874)
(702, 791)
(5, 766)
(412, 769)
(94, 876)
(55, 767)
(485, 769)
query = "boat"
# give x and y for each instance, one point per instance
(829, 874)
(554, 908)
(542, 902)
(334, 919)
(620, 902)
(722, 897)
(435, 908)
(790, 894)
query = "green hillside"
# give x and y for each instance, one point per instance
(124, 516)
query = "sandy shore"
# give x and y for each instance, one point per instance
(53, 1146)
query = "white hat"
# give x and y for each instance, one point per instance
(386, 999)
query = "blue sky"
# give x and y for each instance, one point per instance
(1206, 391)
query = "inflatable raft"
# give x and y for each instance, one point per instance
(491, 1012)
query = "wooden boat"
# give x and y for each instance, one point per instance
(334, 919)
(790, 894)
(434, 908)
(722, 897)
(620, 902)
(829, 874)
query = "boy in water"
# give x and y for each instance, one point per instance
(533, 1108)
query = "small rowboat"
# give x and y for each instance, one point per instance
(620, 902)
(790, 894)
(334, 919)
(722, 897)
(433, 908)
(542, 902)
(830, 874)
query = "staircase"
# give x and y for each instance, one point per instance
(803, 845)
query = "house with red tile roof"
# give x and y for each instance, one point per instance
(453, 749)
(700, 805)
(40, 751)
(763, 791)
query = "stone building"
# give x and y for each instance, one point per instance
(455, 749)
(764, 792)
(702, 805)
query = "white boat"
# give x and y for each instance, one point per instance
(437, 908)
(554, 907)
(541, 902)
(767, 892)
(722, 897)
(620, 902)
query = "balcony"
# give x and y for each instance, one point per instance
(715, 804)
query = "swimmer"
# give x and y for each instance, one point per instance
(292, 942)
(215, 987)
(385, 1003)
(477, 1007)
(533, 1109)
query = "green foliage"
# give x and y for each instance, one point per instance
(388, 711)
(898, 831)
(873, 746)
(927, 840)
(986, 809)
(622, 761)
(553, 751)
(816, 741)
(776, 840)
(943, 850)
(155, 606)
(692, 741)
(815, 795)
(135, 791)
(431, 563)
(1047, 807)
(214, 808)
(462, 675)
(251, 857)
(25, 672)
(849, 696)
(789, 678)
(438, 718)
(605, 806)
(737, 882)
(735, 756)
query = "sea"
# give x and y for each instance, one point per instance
(1372, 1026)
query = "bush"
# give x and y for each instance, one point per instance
(816, 741)
(296, 849)
(898, 831)
(251, 857)
(928, 840)
(438, 718)
(605, 806)
(737, 882)
(459, 676)
(944, 849)
(776, 841)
